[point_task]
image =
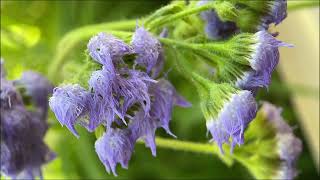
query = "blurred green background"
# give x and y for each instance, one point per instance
(30, 31)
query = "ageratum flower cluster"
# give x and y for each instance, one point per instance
(244, 63)
(125, 96)
(288, 145)
(252, 16)
(23, 150)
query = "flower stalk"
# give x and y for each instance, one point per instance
(223, 7)
(188, 146)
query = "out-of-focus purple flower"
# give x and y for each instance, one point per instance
(113, 147)
(108, 50)
(216, 28)
(38, 88)
(70, 103)
(288, 147)
(273, 115)
(286, 172)
(147, 48)
(2, 70)
(263, 61)
(9, 95)
(232, 120)
(23, 151)
(277, 13)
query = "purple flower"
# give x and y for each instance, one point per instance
(9, 95)
(38, 88)
(23, 151)
(286, 172)
(134, 89)
(276, 14)
(164, 96)
(147, 48)
(263, 61)
(2, 70)
(273, 115)
(120, 92)
(288, 145)
(216, 28)
(108, 50)
(101, 83)
(232, 120)
(144, 128)
(115, 146)
(70, 103)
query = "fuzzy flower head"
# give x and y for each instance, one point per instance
(120, 93)
(227, 110)
(289, 146)
(37, 87)
(113, 147)
(144, 128)
(165, 97)
(23, 150)
(281, 148)
(107, 50)
(147, 48)
(276, 14)
(122, 99)
(247, 60)
(69, 103)
(9, 95)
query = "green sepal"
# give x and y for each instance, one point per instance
(225, 10)
(172, 8)
(213, 96)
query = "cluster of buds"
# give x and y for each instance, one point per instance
(24, 106)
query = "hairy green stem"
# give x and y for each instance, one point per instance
(169, 19)
(177, 6)
(188, 146)
(71, 39)
(197, 49)
(296, 5)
